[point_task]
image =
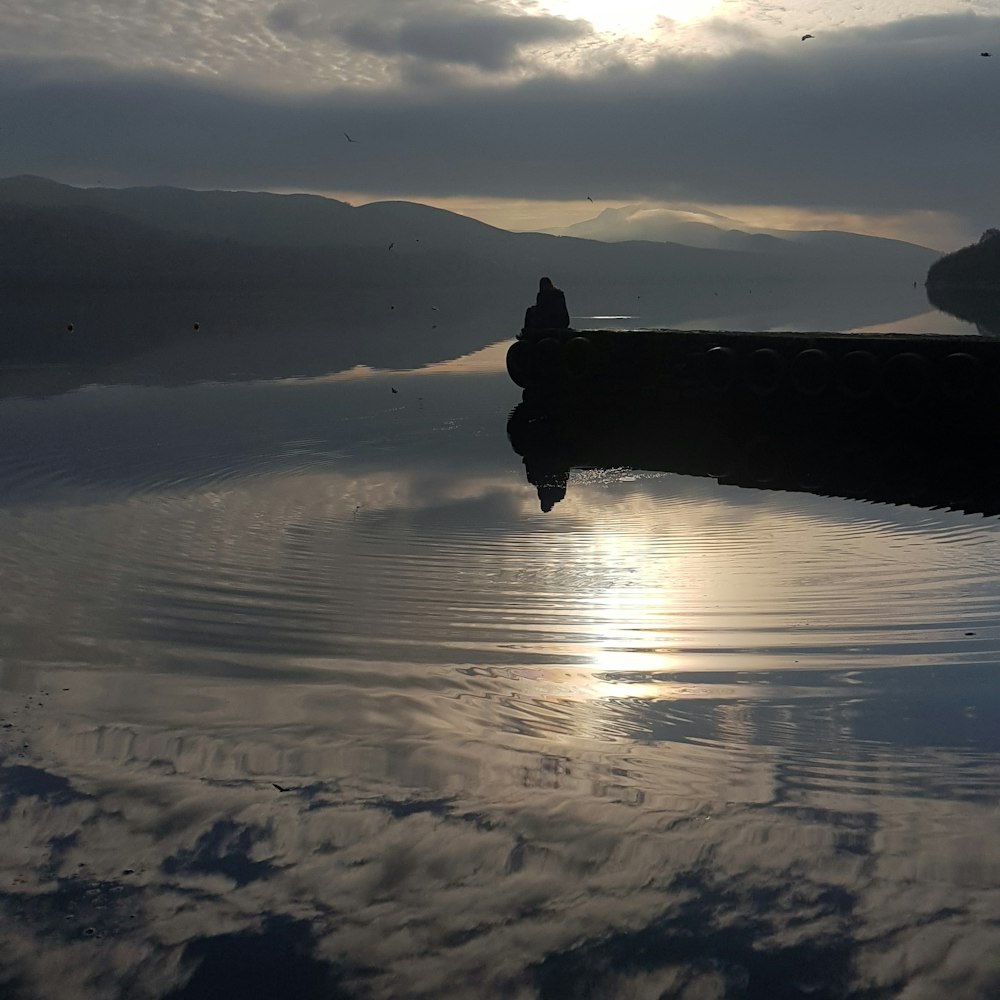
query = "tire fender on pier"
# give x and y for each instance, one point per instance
(578, 358)
(858, 374)
(765, 371)
(522, 364)
(907, 378)
(962, 377)
(762, 460)
(721, 366)
(811, 371)
(549, 354)
(810, 463)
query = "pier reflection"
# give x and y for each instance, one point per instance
(905, 459)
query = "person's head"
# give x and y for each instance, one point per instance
(544, 284)
(549, 496)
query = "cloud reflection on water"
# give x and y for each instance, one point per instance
(443, 862)
(513, 756)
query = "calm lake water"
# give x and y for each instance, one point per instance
(302, 695)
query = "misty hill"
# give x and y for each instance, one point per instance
(707, 230)
(259, 218)
(840, 251)
(251, 217)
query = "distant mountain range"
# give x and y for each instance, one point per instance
(94, 275)
(53, 233)
(712, 231)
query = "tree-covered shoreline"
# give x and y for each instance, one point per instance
(973, 268)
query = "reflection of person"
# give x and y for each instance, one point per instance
(549, 311)
(550, 477)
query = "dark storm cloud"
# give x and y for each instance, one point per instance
(452, 33)
(878, 119)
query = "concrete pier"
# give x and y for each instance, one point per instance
(850, 372)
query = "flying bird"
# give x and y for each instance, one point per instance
(804, 37)
(348, 138)
(391, 245)
(394, 389)
(591, 200)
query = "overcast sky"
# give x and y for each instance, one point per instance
(519, 111)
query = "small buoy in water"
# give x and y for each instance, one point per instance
(197, 326)
(69, 327)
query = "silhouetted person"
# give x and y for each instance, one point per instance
(549, 311)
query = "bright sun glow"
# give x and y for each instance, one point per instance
(631, 17)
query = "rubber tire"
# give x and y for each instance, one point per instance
(963, 378)
(579, 360)
(522, 364)
(907, 378)
(811, 372)
(765, 371)
(859, 374)
(721, 367)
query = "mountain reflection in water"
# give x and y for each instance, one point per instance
(302, 696)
